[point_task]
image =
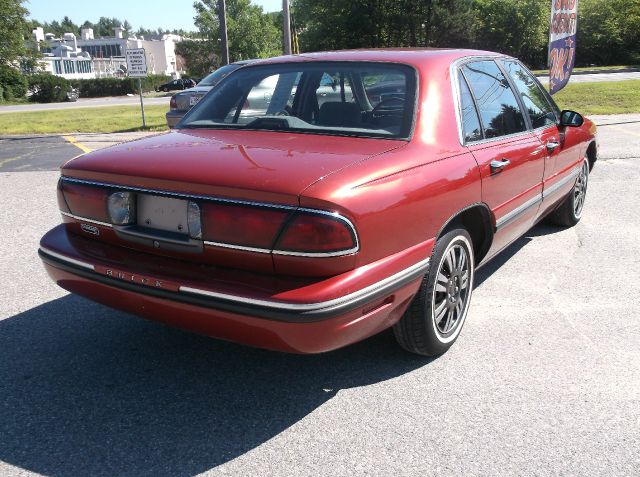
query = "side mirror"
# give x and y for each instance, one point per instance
(571, 119)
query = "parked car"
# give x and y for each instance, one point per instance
(176, 84)
(180, 103)
(308, 224)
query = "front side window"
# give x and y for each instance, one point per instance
(498, 107)
(344, 98)
(538, 108)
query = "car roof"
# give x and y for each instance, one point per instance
(411, 56)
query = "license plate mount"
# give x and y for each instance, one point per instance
(162, 213)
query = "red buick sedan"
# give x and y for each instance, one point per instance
(360, 192)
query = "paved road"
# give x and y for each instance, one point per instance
(594, 78)
(544, 380)
(87, 103)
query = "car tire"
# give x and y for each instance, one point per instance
(437, 313)
(570, 210)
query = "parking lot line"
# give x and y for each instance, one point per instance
(79, 145)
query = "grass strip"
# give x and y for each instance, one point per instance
(108, 119)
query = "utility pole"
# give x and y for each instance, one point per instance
(287, 26)
(222, 15)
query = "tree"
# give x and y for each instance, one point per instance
(335, 24)
(519, 28)
(199, 57)
(105, 26)
(128, 29)
(608, 32)
(251, 32)
(13, 26)
(67, 26)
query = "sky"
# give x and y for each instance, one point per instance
(169, 14)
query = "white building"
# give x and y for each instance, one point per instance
(107, 54)
(65, 58)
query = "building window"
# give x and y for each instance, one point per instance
(69, 67)
(57, 67)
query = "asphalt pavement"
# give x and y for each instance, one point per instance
(544, 379)
(87, 103)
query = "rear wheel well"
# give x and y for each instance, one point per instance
(477, 221)
(592, 154)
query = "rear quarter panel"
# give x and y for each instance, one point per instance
(404, 197)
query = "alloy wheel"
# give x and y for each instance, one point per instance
(580, 190)
(452, 289)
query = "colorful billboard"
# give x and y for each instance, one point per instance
(562, 42)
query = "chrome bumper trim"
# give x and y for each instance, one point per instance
(84, 219)
(267, 308)
(64, 258)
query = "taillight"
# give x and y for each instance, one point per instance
(86, 201)
(173, 104)
(316, 233)
(283, 231)
(242, 225)
(62, 202)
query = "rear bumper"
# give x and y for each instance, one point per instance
(174, 117)
(301, 326)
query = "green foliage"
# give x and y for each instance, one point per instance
(608, 31)
(48, 88)
(517, 28)
(12, 82)
(199, 57)
(12, 28)
(251, 32)
(100, 87)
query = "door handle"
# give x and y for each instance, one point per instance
(497, 165)
(552, 145)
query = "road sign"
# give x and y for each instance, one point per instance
(136, 63)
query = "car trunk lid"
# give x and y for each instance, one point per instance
(262, 166)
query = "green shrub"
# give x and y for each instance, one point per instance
(48, 88)
(12, 82)
(99, 87)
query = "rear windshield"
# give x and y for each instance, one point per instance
(219, 74)
(342, 98)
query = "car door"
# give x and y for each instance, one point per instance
(562, 146)
(510, 157)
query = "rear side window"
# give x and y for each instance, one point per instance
(538, 108)
(470, 122)
(500, 113)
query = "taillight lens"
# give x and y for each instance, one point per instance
(62, 202)
(86, 201)
(317, 233)
(122, 208)
(242, 225)
(173, 104)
